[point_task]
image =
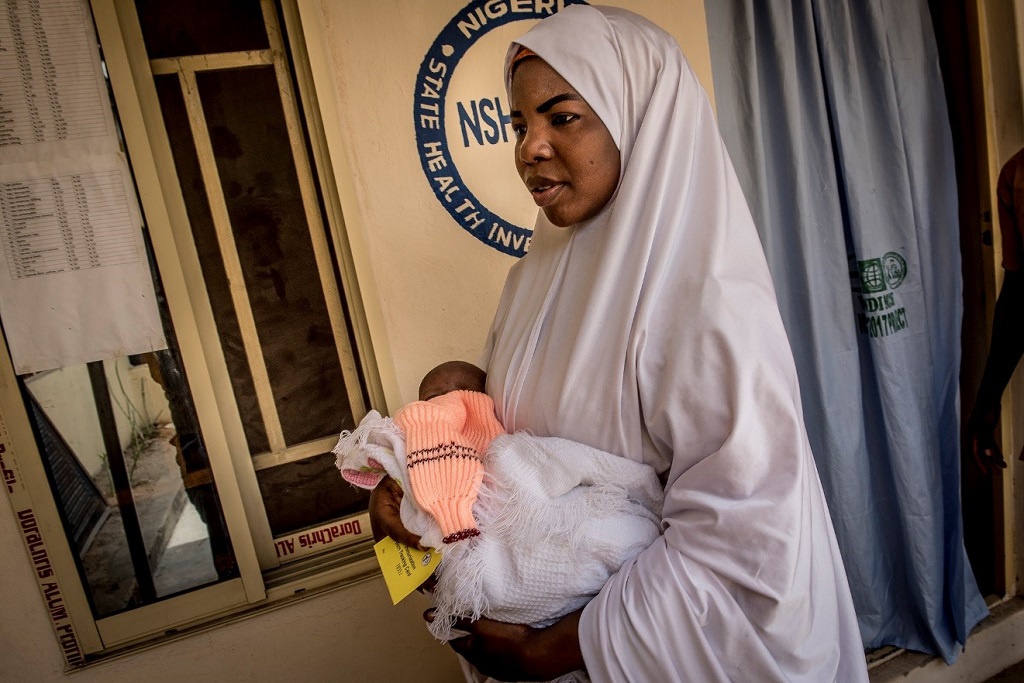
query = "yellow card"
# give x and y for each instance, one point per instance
(404, 568)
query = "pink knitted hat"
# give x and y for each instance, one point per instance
(446, 439)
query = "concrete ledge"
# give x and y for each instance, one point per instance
(995, 644)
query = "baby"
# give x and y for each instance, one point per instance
(529, 528)
(452, 376)
(447, 433)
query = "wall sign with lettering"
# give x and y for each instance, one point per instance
(461, 118)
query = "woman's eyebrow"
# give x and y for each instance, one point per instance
(547, 104)
(556, 99)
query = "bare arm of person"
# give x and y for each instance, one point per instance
(385, 515)
(1004, 355)
(513, 652)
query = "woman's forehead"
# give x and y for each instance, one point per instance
(579, 45)
(535, 82)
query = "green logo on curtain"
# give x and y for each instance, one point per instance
(894, 268)
(879, 274)
(871, 277)
(875, 283)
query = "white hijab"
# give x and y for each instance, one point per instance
(652, 331)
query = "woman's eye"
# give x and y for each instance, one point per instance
(562, 119)
(518, 129)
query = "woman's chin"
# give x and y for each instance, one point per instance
(571, 216)
(558, 219)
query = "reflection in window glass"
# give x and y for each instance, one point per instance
(143, 519)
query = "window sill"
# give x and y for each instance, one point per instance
(297, 581)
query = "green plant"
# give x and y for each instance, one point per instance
(142, 426)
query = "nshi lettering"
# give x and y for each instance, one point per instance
(485, 120)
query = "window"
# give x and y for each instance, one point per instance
(198, 480)
(240, 156)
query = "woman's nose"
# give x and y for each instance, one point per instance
(534, 146)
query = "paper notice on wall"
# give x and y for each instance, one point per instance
(53, 99)
(75, 281)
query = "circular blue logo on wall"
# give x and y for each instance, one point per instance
(481, 121)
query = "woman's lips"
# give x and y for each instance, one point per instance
(546, 194)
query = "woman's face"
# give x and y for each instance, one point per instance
(564, 154)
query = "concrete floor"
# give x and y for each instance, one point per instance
(993, 652)
(187, 561)
(176, 539)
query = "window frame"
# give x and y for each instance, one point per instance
(263, 580)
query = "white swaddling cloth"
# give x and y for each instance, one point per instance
(556, 520)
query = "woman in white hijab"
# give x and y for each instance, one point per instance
(643, 322)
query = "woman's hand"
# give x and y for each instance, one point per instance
(981, 431)
(385, 514)
(513, 652)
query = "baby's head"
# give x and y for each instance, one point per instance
(452, 376)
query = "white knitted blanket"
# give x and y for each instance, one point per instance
(556, 520)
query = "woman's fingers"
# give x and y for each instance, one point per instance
(987, 456)
(995, 457)
(385, 514)
(461, 628)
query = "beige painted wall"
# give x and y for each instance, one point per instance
(339, 636)
(430, 290)
(429, 287)
(402, 240)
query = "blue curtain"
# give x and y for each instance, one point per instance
(834, 115)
